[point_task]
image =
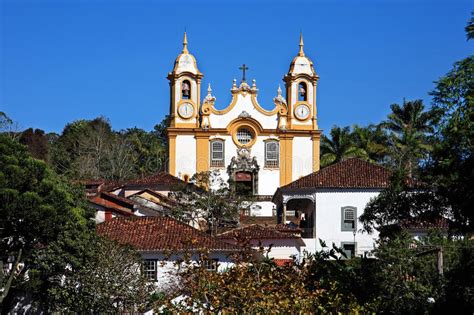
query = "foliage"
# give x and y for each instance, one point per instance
(470, 28)
(90, 149)
(211, 200)
(408, 127)
(37, 143)
(339, 147)
(36, 206)
(109, 280)
(258, 286)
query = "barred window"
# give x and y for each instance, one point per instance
(211, 264)
(150, 269)
(217, 153)
(348, 218)
(272, 151)
(244, 135)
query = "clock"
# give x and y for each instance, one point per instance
(302, 112)
(186, 110)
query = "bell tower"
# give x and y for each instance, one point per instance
(301, 83)
(185, 90)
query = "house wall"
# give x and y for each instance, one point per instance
(281, 248)
(168, 273)
(328, 219)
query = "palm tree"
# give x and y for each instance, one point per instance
(408, 126)
(373, 140)
(339, 147)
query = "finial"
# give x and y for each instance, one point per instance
(254, 83)
(234, 83)
(279, 90)
(209, 90)
(301, 52)
(185, 44)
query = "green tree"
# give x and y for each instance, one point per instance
(210, 200)
(470, 28)
(450, 170)
(408, 126)
(36, 206)
(373, 140)
(108, 280)
(339, 147)
(37, 143)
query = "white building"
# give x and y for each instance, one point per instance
(256, 148)
(162, 241)
(327, 204)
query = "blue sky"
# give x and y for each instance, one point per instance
(66, 60)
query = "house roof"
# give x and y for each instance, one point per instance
(160, 234)
(419, 224)
(257, 232)
(164, 199)
(351, 173)
(113, 203)
(160, 178)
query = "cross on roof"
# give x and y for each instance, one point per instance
(243, 68)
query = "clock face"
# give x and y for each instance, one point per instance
(302, 112)
(186, 110)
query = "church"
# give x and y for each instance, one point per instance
(260, 150)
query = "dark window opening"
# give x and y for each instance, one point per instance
(302, 92)
(185, 90)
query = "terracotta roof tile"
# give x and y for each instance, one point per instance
(351, 173)
(283, 262)
(256, 232)
(160, 234)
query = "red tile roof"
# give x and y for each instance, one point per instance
(351, 173)
(283, 262)
(160, 234)
(161, 178)
(256, 232)
(112, 205)
(420, 224)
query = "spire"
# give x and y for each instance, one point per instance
(301, 52)
(185, 44)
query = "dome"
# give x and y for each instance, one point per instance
(301, 64)
(185, 62)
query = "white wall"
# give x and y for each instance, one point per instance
(328, 218)
(302, 157)
(244, 103)
(168, 273)
(185, 155)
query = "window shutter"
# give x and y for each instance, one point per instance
(349, 214)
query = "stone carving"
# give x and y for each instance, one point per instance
(243, 162)
(244, 114)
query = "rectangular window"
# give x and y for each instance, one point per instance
(272, 154)
(211, 264)
(217, 153)
(348, 218)
(150, 269)
(349, 249)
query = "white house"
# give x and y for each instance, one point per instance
(162, 241)
(326, 204)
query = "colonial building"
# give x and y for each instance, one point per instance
(256, 148)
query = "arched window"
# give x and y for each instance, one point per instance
(302, 92)
(272, 152)
(185, 90)
(217, 153)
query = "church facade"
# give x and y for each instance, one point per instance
(259, 150)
